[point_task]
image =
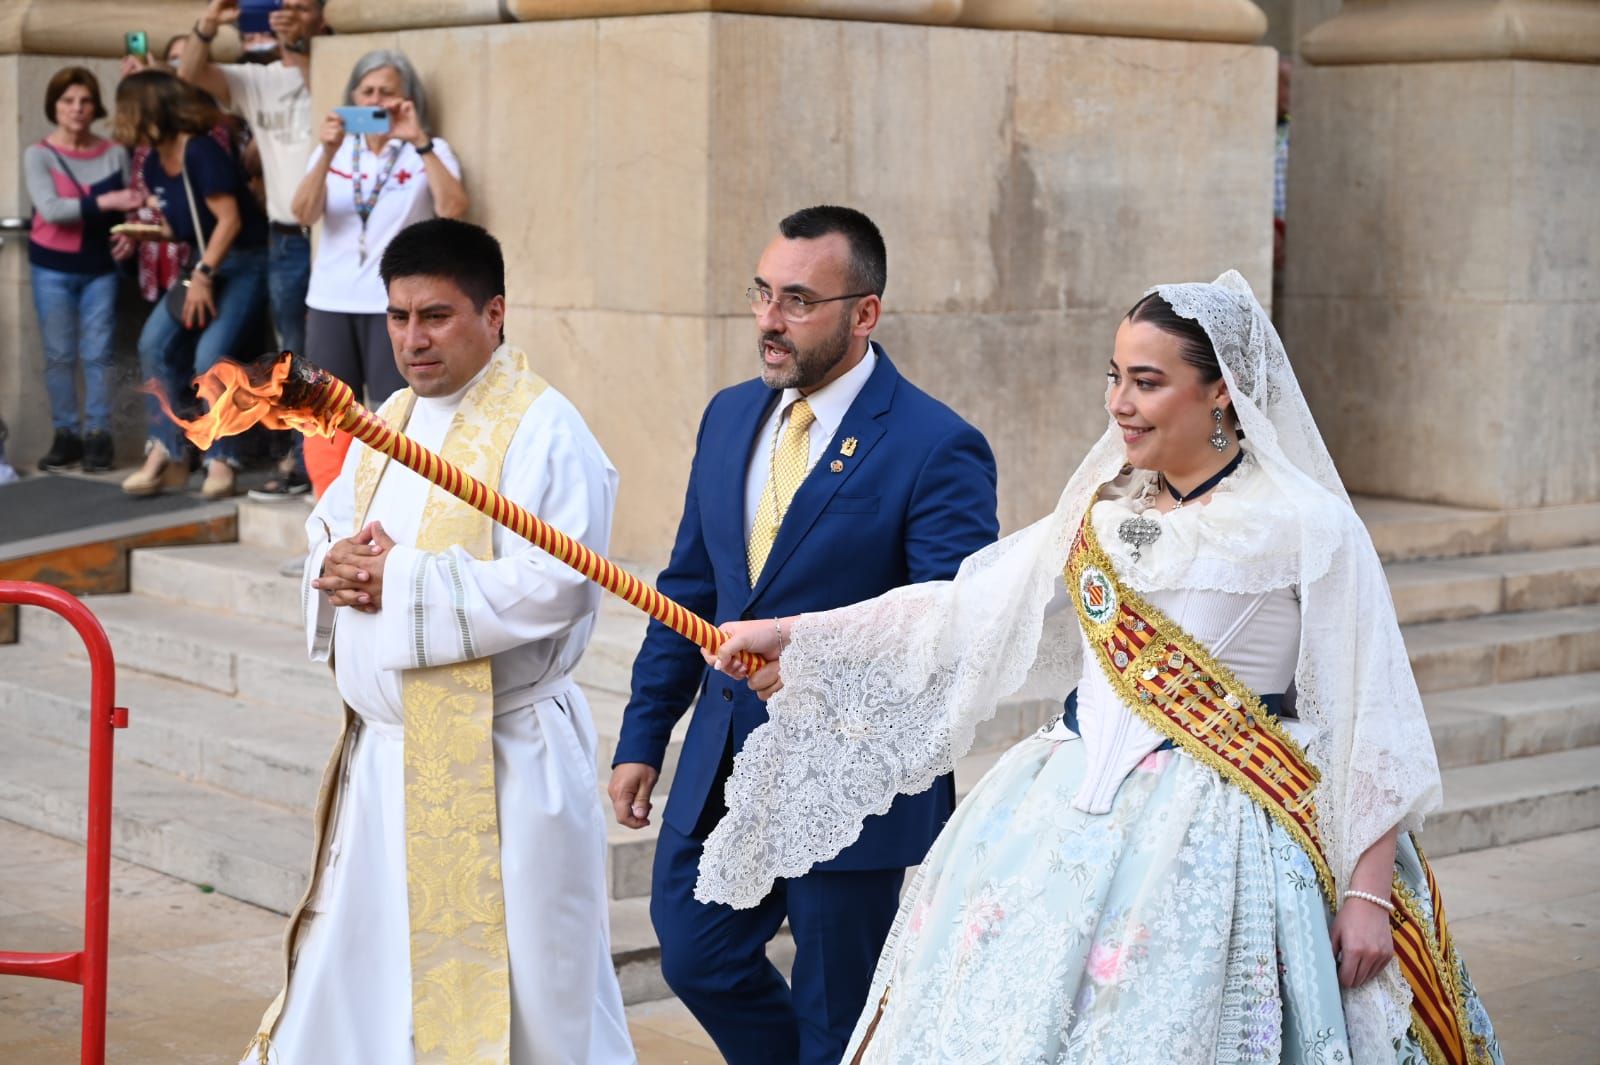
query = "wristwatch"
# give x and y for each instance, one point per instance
(205, 268)
(426, 148)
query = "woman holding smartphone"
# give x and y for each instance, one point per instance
(364, 187)
(206, 201)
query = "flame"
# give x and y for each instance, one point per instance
(237, 399)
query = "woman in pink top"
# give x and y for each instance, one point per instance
(78, 183)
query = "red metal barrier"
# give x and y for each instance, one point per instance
(86, 966)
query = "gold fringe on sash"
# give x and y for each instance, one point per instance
(1428, 960)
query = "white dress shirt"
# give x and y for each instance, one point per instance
(828, 406)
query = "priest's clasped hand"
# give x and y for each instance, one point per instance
(764, 638)
(352, 570)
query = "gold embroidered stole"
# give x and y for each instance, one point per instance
(460, 976)
(1172, 683)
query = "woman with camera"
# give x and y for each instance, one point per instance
(373, 177)
(376, 170)
(78, 184)
(205, 199)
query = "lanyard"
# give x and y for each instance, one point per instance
(363, 203)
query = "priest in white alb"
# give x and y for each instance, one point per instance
(457, 908)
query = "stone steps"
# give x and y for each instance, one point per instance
(1475, 726)
(1516, 799)
(243, 579)
(1451, 589)
(259, 751)
(1503, 648)
(251, 850)
(1403, 530)
(278, 528)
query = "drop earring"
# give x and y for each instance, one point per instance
(1219, 439)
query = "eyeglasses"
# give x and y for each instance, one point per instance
(793, 306)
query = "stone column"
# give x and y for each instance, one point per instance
(1442, 299)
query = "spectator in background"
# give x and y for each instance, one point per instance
(203, 191)
(262, 48)
(364, 189)
(79, 186)
(276, 100)
(173, 53)
(161, 262)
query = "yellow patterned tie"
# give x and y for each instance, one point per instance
(790, 462)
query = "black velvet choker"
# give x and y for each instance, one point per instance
(1208, 484)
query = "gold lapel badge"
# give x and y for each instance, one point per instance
(848, 448)
(836, 466)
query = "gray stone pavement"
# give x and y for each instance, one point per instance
(191, 971)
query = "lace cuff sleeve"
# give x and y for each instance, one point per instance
(880, 699)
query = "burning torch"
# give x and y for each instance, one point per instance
(286, 392)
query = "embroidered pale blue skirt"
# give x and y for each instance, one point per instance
(1184, 926)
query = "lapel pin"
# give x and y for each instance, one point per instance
(848, 448)
(836, 466)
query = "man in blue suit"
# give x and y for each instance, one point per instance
(829, 480)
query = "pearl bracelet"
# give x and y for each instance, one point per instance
(1369, 897)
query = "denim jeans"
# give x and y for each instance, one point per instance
(76, 315)
(288, 277)
(174, 356)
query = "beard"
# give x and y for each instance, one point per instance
(808, 367)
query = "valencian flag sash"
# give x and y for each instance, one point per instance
(1172, 683)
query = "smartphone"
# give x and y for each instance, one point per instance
(255, 15)
(363, 119)
(136, 43)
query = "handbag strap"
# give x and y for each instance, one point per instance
(188, 192)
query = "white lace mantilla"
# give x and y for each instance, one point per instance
(1243, 540)
(883, 697)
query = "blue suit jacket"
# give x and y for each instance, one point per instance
(916, 497)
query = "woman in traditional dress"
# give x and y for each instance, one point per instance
(1209, 858)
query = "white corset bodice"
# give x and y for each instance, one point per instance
(1256, 636)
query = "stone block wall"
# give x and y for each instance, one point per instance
(1442, 302)
(1030, 186)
